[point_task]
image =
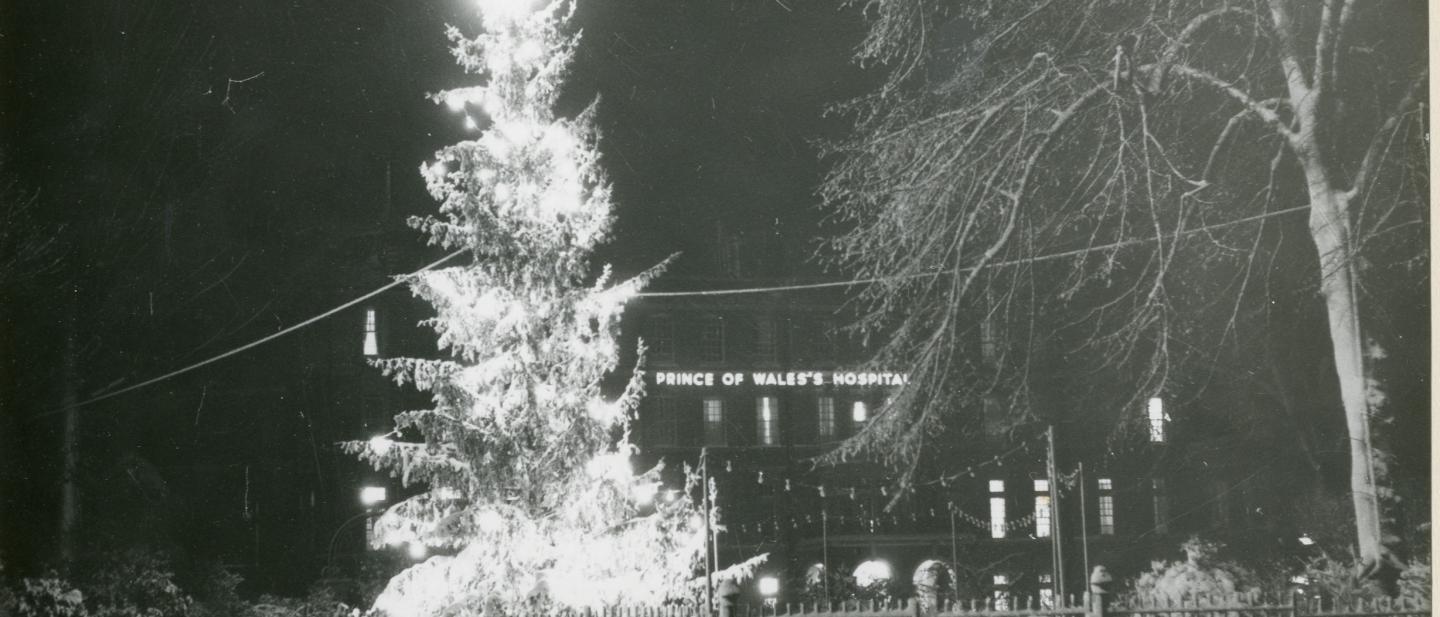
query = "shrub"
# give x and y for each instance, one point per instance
(1202, 572)
(1333, 580)
(51, 596)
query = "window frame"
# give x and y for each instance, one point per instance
(713, 433)
(370, 348)
(825, 425)
(997, 510)
(767, 429)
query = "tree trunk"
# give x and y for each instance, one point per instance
(70, 454)
(1329, 227)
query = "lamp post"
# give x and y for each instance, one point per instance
(330, 552)
(370, 497)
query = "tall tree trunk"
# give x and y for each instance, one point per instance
(1330, 229)
(70, 446)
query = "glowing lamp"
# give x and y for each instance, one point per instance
(416, 550)
(371, 495)
(769, 586)
(871, 572)
(859, 412)
(1306, 540)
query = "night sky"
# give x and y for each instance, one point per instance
(206, 169)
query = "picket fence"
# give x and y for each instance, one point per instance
(1227, 605)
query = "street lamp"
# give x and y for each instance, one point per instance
(372, 495)
(769, 586)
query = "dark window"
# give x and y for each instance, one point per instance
(712, 339)
(663, 422)
(765, 343)
(662, 339)
(1162, 505)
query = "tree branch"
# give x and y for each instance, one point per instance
(1259, 108)
(1172, 51)
(1295, 78)
(1225, 136)
(1326, 38)
(1372, 153)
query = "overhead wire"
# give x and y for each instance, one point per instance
(256, 343)
(669, 294)
(998, 264)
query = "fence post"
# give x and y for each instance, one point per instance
(1100, 580)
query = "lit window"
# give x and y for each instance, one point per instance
(1000, 594)
(372, 346)
(1047, 591)
(714, 422)
(663, 422)
(859, 412)
(1155, 410)
(997, 508)
(1107, 508)
(767, 420)
(712, 340)
(825, 416)
(662, 339)
(1162, 505)
(1042, 508)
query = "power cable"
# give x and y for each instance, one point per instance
(673, 294)
(998, 264)
(175, 373)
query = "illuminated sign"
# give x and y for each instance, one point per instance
(801, 379)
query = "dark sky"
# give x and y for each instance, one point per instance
(208, 169)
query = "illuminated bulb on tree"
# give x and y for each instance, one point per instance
(645, 492)
(380, 445)
(455, 101)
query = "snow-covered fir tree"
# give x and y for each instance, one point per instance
(530, 499)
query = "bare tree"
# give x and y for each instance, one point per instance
(1112, 183)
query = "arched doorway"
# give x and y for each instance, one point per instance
(934, 581)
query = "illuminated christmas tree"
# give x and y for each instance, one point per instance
(531, 500)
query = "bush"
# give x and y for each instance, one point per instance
(48, 597)
(1335, 581)
(136, 584)
(1202, 572)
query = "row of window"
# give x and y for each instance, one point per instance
(1043, 514)
(663, 426)
(715, 339)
